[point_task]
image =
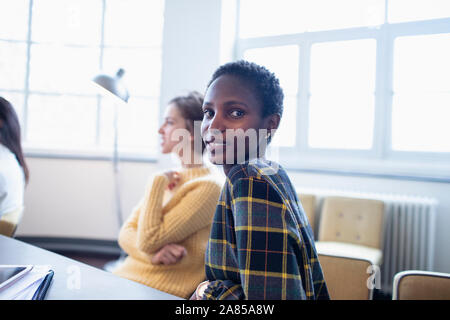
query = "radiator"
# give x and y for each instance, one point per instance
(408, 235)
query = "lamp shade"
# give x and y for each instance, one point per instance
(113, 85)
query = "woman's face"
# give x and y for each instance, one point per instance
(172, 121)
(229, 105)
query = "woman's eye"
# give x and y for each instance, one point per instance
(236, 113)
(208, 113)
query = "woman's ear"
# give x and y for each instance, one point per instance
(272, 122)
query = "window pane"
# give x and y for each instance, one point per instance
(138, 125)
(142, 69)
(420, 122)
(343, 66)
(13, 58)
(63, 69)
(341, 121)
(332, 14)
(286, 134)
(283, 61)
(67, 21)
(413, 10)
(422, 63)
(14, 19)
(135, 22)
(269, 17)
(61, 121)
(16, 100)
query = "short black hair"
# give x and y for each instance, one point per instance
(265, 82)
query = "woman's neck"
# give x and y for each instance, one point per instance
(227, 167)
(195, 161)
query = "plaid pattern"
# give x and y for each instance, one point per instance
(261, 246)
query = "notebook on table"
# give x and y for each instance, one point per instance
(24, 282)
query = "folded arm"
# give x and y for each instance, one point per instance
(193, 212)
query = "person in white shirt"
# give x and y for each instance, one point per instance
(14, 172)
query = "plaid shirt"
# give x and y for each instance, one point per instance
(261, 245)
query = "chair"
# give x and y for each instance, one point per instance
(346, 278)
(421, 285)
(308, 202)
(9, 222)
(351, 228)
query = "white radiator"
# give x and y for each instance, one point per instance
(409, 230)
(408, 236)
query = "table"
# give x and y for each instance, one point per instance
(74, 280)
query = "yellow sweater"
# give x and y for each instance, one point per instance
(183, 216)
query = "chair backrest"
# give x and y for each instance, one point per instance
(421, 285)
(9, 222)
(346, 278)
(351, 220)
(309, 205)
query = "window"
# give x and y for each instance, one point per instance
(49, 51)
(342, 86)
(366, 81)
(421, 102)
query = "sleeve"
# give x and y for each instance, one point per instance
(268, 266)
(223, 290)
(3, 191)
(128, 234)
(192, 213)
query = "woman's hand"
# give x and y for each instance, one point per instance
(173, 177)
(169, 254)
(198, 294)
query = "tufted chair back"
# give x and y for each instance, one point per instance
(308, 202)
(350, 220)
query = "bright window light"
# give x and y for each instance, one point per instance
(414, 10)
(420, 122)
(137, 124)
(421, 104)
(134, 23)
(67, 21)
(14, 20)
(341, 109)
(55, 121)
(268, 18)
(422, 63)
(142, 68)
(61, 69)
(13, 57)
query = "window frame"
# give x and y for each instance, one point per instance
(381, 159)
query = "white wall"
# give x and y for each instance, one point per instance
(74, 198)
(191, 46)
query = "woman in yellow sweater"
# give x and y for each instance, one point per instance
(166, 235)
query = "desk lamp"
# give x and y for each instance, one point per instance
(114, 86)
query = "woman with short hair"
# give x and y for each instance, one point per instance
(261, 245)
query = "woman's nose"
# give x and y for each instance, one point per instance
(216, 123)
